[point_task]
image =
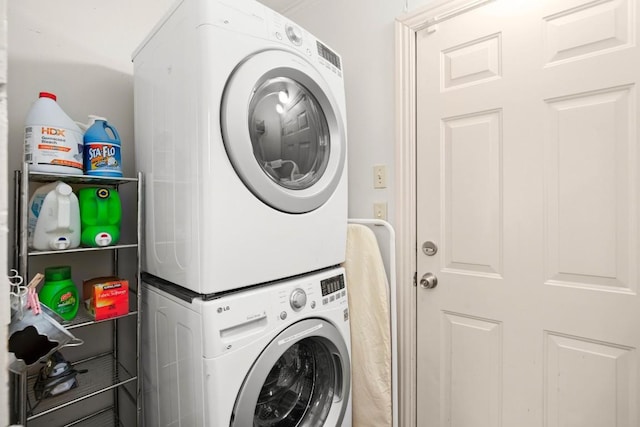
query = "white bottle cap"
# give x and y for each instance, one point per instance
(103, 239)
(60, 243)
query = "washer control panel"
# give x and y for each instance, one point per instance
(237, 318)
(306, 296)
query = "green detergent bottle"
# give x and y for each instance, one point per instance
(59, 293)
(100, 216)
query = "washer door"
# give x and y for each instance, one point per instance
(302, 378)
(283, 131)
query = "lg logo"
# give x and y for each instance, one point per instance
(223, 309)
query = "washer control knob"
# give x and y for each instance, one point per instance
(298, 299)
(294, 34)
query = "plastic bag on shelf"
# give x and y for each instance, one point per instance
(35, 337)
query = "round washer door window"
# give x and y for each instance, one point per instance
(283, 131)
(301, 379)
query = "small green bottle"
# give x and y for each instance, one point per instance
(59, 293)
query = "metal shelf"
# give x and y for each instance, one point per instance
(105, 418)
(83, 249)
(104, 374)
(78, 179)
(83, 318)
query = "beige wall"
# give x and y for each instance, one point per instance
(4, 215)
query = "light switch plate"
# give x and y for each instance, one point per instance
(380, 210)
(379, 176)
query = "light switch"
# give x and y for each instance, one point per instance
(379, 176)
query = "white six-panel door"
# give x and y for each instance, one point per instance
(528, 183)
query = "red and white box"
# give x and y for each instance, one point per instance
(106, 297)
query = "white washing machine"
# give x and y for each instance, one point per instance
(274, 355)
(240, 133)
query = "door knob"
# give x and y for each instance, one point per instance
(429, 281)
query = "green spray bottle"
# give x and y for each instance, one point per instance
(59, 293)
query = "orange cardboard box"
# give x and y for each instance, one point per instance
(106, 297)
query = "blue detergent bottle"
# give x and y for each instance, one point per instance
(102, 155)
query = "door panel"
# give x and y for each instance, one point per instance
(574, 365)
(528, 181)
(589, 28)
(472, 385)
(589, 191)
(473, 193)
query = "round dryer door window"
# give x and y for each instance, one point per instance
(283, 131)
(289, 133)
(301, 379)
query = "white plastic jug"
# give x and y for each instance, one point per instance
(52, 141)
(54, 218)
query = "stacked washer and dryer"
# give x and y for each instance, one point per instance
(240, 134)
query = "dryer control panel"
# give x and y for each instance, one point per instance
(283, 30)
(257, 20)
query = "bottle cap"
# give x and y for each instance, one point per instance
(63, 189)
(62, 272)
(48, 95)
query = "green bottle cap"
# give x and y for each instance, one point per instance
(53, 274)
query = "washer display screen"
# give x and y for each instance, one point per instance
(332, 284)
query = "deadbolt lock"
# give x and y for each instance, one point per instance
(429, 248)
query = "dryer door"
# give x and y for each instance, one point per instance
(283, 131)
(302, 378)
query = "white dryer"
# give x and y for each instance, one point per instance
(275, 355)
(240, 133)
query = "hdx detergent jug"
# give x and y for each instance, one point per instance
(52, 141)
(54, 218)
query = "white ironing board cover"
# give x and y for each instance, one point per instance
(370, 329)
